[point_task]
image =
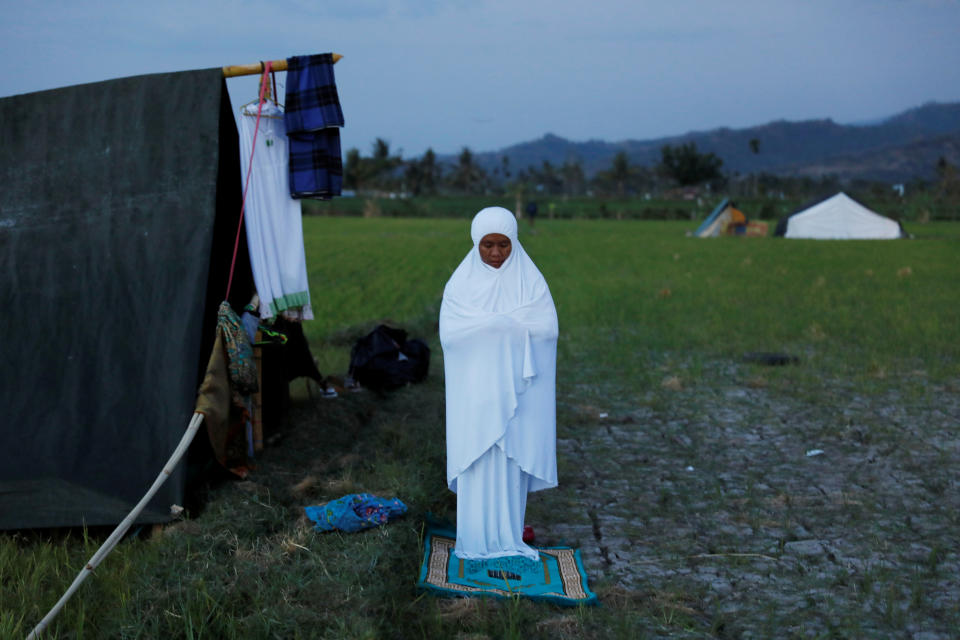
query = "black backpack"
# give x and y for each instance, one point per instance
(384, 359)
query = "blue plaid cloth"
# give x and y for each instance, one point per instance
(312, 114)
(311, 101)
(316, 170)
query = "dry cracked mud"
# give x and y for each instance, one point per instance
(759, 512)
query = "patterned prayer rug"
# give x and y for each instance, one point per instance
(559, 577)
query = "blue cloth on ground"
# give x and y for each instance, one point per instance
(312, 114)
(355, 512)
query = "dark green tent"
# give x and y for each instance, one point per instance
(118, 215)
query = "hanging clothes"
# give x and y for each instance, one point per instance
(224, 395)
(312, 118)
(273, 219)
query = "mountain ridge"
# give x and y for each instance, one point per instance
(898, 148)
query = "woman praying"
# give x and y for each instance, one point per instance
(498, 330)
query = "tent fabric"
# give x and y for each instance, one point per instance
(117, 222)
(709, 226)
(723, 220)
(839, 217)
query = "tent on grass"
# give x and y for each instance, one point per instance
(727, 220)
(838, 217)
(118, 218)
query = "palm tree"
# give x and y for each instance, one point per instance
(422, 175)
(573, 177)
(755, 147)
(467, 176)
(620, 171)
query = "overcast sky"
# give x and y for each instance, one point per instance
(491, 73)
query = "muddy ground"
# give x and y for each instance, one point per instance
(760, 512)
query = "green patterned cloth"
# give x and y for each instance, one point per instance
(241, 367)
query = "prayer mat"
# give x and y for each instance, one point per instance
(559, 577)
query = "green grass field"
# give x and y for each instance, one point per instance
(852, 306)
(557, 207)
(654, 326)
(917, 206)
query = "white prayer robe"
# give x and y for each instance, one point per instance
(273, 219)
(498, 330)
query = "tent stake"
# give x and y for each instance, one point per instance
(256, 68)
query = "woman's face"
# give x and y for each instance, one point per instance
(494, 249)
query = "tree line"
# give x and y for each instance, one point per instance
(383, 171)
(680, 166)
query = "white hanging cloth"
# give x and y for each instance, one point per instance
(498, 330)
(273, 219)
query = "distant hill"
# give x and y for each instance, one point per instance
(895, 149)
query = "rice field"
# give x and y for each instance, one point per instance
(684, 472)
(854, 306)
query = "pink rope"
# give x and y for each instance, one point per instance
(264, 80)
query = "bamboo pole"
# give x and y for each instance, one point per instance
(235, 70)
(121, 529)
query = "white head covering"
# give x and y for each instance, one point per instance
(498, 330)
(493, 220)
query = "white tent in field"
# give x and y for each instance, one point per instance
(839, 217)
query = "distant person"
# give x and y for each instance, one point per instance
(498, 330)
(532, 212)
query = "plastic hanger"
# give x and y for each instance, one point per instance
(267, 96)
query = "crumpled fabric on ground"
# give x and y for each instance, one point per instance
(355, 512)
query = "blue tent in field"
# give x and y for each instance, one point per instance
(725, 219)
